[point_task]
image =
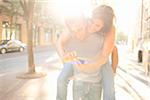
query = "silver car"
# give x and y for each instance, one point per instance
(11, 45)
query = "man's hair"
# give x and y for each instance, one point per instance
(106, 14)
(74, 19)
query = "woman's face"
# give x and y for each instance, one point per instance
(95, 25)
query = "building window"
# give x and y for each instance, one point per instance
(10, 31)
(17, 32)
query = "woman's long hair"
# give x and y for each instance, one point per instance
(106, 14)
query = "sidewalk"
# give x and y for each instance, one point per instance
(130, 82)
(12, 88)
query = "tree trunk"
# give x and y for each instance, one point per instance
(28, 7)
(30, 52)
(30, 43)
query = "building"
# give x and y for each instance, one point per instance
(145, 34)
(18, 31)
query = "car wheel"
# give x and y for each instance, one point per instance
(3, 51)
(21, 49)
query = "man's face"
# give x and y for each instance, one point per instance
(77, 25)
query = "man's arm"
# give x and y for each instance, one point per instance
(114, 58)
(64, 55)
(61, 43)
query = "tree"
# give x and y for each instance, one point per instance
(28, 13)
(10, 9)
(28, 8)
(33, 14)
(44, 14)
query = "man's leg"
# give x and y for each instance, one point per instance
(86, 90)
(107, 82)
(95, 91)
(63, 81)
(79, 90)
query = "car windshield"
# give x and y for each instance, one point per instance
(18, 42)
(3, 41)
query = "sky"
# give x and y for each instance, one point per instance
(127, 13)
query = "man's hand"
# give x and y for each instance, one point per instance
(69, 57)
(86, 67)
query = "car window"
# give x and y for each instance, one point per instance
(10, 42)
(18, 42)
(3, 41)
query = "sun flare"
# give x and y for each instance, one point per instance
(73, 7)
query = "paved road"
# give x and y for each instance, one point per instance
(18, 60)
(131, 83)
(14, 64)
(36, 49)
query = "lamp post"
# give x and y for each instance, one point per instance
(141, 29)
(6, 26)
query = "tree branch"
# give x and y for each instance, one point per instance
(23, 4)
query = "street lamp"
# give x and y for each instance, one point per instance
(6, 26)
(141, 29)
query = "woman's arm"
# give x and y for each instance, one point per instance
(103, 56)
(108, 47)
(114, 58)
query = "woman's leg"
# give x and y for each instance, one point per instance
(63, 80)
(107, 82)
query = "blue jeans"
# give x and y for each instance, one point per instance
(63, 80)
(86, 90)
(107, 82)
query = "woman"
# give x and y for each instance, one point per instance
(103, 15)
(107, 71)
(99, 25)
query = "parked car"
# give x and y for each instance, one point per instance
(11, 45)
